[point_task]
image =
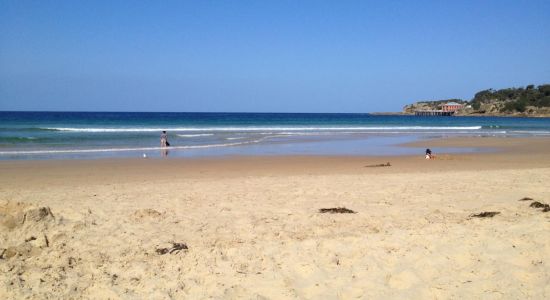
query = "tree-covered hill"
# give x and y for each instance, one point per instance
(514, 99)
(522, 101)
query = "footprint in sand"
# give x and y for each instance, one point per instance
(403, 280)
(146, 213)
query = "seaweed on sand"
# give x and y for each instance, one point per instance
(337, 210)
(485, 214)
(545, 207)
(379, 165)
(176, 248)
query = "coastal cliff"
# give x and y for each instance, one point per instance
(530, 101)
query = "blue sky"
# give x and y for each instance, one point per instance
(265, 56)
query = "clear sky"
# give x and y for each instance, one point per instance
(265, 56)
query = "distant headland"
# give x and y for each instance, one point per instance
(529, 101)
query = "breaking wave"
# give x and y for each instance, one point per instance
(256, 129)
(61, 151)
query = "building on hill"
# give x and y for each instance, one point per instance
(451, 106)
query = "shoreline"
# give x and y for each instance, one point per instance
(493, 154)
(483, 145)
(374, 146)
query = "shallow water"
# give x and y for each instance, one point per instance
(59, 135)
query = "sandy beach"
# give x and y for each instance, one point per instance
(250, 227)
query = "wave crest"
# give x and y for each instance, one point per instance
(256, 129)
(195, 135)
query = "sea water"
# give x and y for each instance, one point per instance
(61, 135)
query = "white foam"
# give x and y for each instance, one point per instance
(125, 149)
(195, 135)
(253, 129)
(541, 132)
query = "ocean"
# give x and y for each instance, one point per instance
(90, 135)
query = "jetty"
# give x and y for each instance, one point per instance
(433, 113)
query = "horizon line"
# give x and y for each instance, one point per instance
(177, 112)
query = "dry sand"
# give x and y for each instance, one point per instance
(97, 229)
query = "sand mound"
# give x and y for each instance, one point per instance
(10, 214)
(38, 215)
(18, 215)
(33, 238)
(25, 229)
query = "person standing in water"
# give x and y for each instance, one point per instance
(164, 140)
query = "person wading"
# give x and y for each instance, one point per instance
(164, 140)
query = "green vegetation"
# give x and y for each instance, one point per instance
(514, 99)
(439, 102)
(529, 101)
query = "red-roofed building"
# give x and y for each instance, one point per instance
(451, 106)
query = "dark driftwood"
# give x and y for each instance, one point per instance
(485, 214)
(336, 210)
(525, 199)
(379, 165)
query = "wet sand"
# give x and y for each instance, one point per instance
(107, 228)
